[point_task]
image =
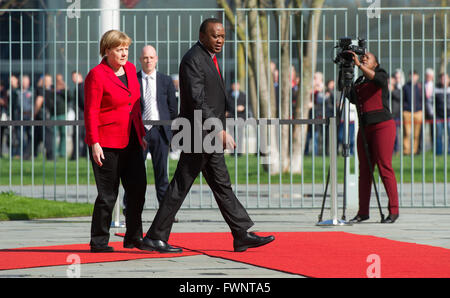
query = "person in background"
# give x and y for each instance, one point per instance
(429, 101)
(317, 105)
(14, 99)
(158, 102)
(442, 113)
(3, 114)
(377, 130)
(52, 97)
(399, 78)
(175, 154)
(395, 109)
(329, 110)
(59, 113)
(412, 114)
(236, 106)
(26, 101)
(43, 91)
(78, 102)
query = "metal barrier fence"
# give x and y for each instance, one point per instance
(264, 49)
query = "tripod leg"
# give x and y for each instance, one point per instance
(324, 196)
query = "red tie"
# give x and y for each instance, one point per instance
(217, 65)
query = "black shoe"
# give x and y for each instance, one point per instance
(159, 246)
(390, 219)
(250, 240)
(102, 249)
(138, 243)
(359, 218)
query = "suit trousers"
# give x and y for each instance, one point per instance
(159, 149)
(126, 165)
(380, 139)
(216, 174)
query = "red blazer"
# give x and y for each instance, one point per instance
(110, 107)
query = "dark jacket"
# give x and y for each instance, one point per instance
(395, 104)
(165, 98)
(408, 97)
(442, 99)
(201, 88)
(240, 100)
(372, 98)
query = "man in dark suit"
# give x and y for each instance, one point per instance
(158, 102)
(78, 103)
(237, 106)
(202, 91)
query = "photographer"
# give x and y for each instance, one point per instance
(371, 95)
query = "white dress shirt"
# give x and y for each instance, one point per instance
(153, 103)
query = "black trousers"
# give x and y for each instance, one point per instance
(126, 165)
(216, 174)
(159, 149)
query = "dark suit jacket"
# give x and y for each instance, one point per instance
(201, 87)
(166, 100)
(240, 100)
(407, 97)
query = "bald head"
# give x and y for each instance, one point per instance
(148, 59)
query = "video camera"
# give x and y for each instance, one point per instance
(345, 59)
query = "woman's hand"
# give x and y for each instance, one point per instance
(355, 58)
(367, 66)
(144, 144)
(97, 154)
(227, 140)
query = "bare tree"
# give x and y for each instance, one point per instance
(445, 56)
(304, 99)
(261, 79)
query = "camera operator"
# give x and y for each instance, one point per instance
(371, 95)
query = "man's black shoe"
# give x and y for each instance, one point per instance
(102, 249)
(160, 246)
(249, 240)
(138, 243)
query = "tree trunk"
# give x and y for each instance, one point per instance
(268, 135)
(445, 56)
(304, 99)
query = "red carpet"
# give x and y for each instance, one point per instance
(327, 254)
(313, 254)
(30, 257)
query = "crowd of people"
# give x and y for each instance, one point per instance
(37, 102)
(48, 99)
(405, 105)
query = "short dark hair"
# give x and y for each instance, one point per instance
(205, 23)
(377, 61)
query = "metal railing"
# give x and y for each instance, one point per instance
(51, 42)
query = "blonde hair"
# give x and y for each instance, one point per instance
(112, 39)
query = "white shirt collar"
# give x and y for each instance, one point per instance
(151, 75)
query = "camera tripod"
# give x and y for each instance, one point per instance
(346, 150)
